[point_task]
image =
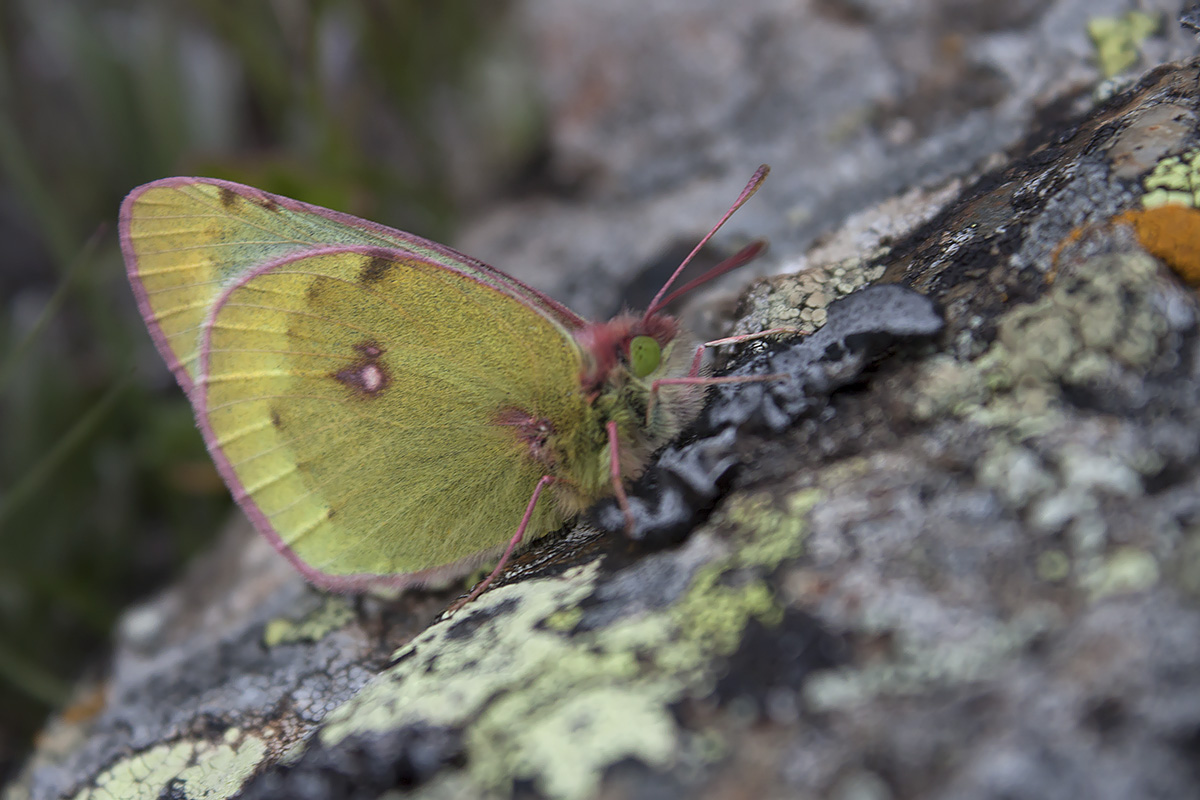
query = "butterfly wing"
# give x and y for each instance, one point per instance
(359, 401)
(187, 240)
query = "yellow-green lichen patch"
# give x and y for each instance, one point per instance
(766, 533)
(1118, 39)
(1127, 569)
(192, 769)
(1053, 566)
(1174, 180)
(1101, 323)
(1096, 319)
(714, 613)
(444, 678)
(625, 722)
(331, 614)
(544, 693)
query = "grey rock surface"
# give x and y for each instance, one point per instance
(973, 573)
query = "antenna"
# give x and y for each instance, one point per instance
(756, 180)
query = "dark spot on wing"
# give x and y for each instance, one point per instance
(267, 203)
(374, 269)
(315, 289)
(229, 197)
(275, 419)
(532, 431)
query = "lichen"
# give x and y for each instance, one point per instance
(1101, 319)
(799, 301)
(1118, 39)
(1184, 569)
(541, 696)
(1097, 319)
(1127, 569)
(1171, 233)
(333, 612)
(918, 663)
(191, 769)
(1175, 180)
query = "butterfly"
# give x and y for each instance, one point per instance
(386, 410)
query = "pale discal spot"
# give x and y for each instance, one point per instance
(372, 378)
(366, 375)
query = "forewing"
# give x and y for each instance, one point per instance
(187, 240)
(359, 403)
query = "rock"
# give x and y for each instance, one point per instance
(949, 562)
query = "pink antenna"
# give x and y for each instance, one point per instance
(756, 180)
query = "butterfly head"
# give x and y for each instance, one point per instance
(627, 346)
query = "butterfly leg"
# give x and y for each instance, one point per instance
(614, 466)
(749, 337)
(508, 551)
(701, 380)
(694, 377)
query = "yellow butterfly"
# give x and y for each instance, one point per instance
(385, 409)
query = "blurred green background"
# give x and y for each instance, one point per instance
(403, 111)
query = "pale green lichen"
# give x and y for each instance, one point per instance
(1127, 569)
(1185, 566)
(1175, 179)
(564, 620)
(1015, 473)
(538, 704)
(767, 534)
(713, 614)
(192, 769)
(920, 662)
(1053, 566)
(1099, 318)
(1118, 39)
(633, 719)
(333, 612)
(800, 301)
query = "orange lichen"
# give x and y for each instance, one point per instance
(1068, 240)
(1172, 234)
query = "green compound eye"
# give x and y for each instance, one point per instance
(644, 355)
